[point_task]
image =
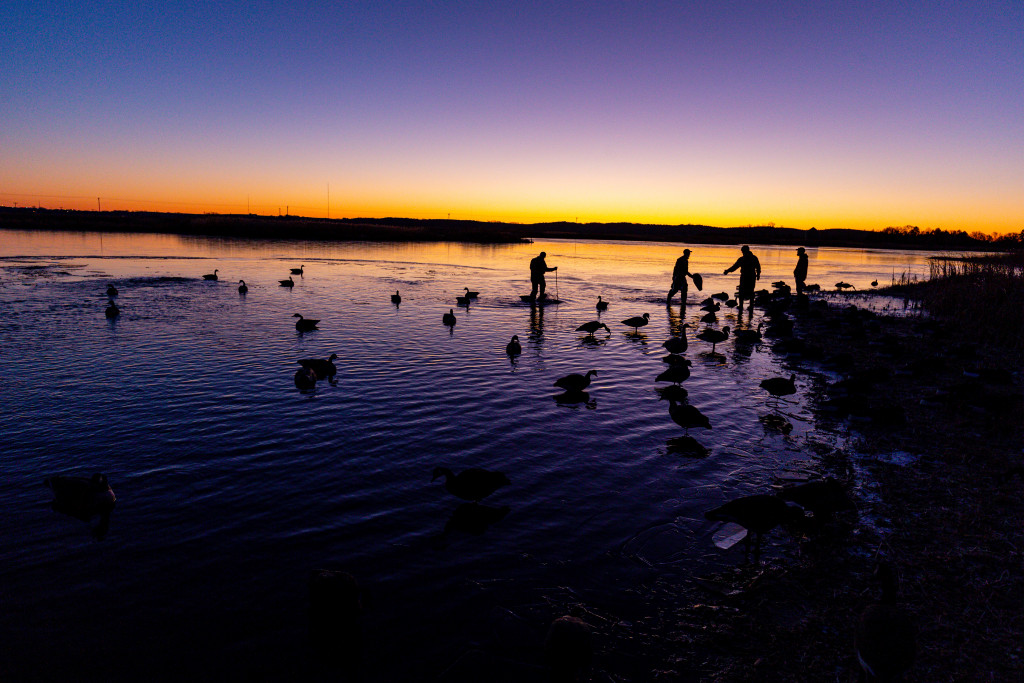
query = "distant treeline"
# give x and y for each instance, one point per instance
(434, 230)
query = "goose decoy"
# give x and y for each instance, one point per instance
(471, 295)
(713, 307)
(112, 310)
(305, 378)
(676, 373)
(886, 637)
(874, 283)
(514, 348)
(779, 386)
(749, 336)
(593, 326)
(287, 283)
(575, 382)
(636, 322)
(81, 497)
(396, 298)
(707, 302)
(709, 318)
(759, 514)
(299, 270)
(462, 300)
(822, 498)
(242, 287)
(714, 336)
(473, 484)
(731, 303)
(323, 368)
(844, 285)
(211, 276)
(111, 290)
(721, 296)
(687, 416)
(304, 324)
(677, 344)
(449, 318)
(602, 305)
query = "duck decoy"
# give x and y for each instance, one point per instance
(111, 290)
(304, 324)
(298, 271)
(779, 386)
(759, 514)
(323, 368)
(242, 287)
(287, 283)
(575, 382)
(593, 326)
(676, 373)
(471, 295)
(449, 318)
(211, 276)
(81, 497)
(305, 378)
(514, 348)
(112, 310)
(396, 298)
(636, 322)
(687, 416)
(601, 305)
(473, 484)
(885, 639)
(714, 336)
(749, 336)
(822, 498)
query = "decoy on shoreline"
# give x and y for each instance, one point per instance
(822, 498)
(473, 484)
(211, 276)
(242, 287)
(601, 305)
(575, 382)
(287, 283)
(305, 378)
(759, 514)
(304, 324)
(885, 639)
(323, 368)
(514, 348)
(298, 271)
(636, 322)
(874, 283)
(593, 326)
(81, 497)
(686, 416)
(676, 373)
(112, 310)
(844, 285)
(396, 298)
(471, 295)
(111, 290)
(449, 318)
(714, 336)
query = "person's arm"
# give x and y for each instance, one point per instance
(757, 268)
(733, 266)
(550, 269)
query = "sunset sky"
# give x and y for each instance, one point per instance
(826, 114)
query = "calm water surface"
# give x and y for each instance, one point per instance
(232, 485)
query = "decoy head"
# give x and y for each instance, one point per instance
(333, 357)
(647, 316)
(298, 315)
(591, 372)
(515, 337)
(241, 282)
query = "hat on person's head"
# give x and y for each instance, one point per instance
(686, 252)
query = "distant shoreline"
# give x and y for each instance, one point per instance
(252, 227)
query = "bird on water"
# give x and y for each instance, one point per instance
(81, 497)
(593, 326)
(304, 324)
(449, 318)
(305, 378)
(211, 276)
(636, 322)
(714, 336)
(601, 305)
(749, 336)
(472, 484)
(575, 382)
(287, 283)
(298, 271)
(471, 295)
(323, 367)
(111, 290)
(759, 514)
(886, 637)
(242, 287)
(396, 298)
(779, 386)
(685, 415)
(514, 348)
(112, 310)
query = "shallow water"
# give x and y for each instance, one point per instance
(233, 485)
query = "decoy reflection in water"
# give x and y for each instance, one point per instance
(471, 295)
(396, 298)
(473, 484)
(714, 337)
(575, 382)
(601, 305)
(674, 392)
(112, 310)
(83, 498)
(676, 359)
(749, 336)
(449, 318)
(687, 416)
(211, 276)
(676, 373)
(287, 283)
(686, 446)
(759, 514)
(305, 378)
(298, 271)
(636, 322)
(111, 290)
(514, 348)
(305, 324)
(242, 287)
(886, 637)
(593, 326)
(823, 498)
(323, 368)
(474, 518)
(776, 423)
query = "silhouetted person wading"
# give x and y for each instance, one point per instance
(538, 266)
(679, 274)
(800, 272)
(750, 272)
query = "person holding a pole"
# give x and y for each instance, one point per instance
(538, 266)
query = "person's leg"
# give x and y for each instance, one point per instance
(543, 286)
(533, 291)
(671, 293)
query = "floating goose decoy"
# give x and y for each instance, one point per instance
(211, 276)
(687, 416)
(885, 637)
(779, 386)
(714, 336)
(822, 498)
(305, 378)
(708, 302)
(471, 295)
(575, 382)
(462, 300)
(759, 514)
(473, 484)
(636, 322)
(593, 326)
(677, 344)
(721, 296)
(874, 283)
(81, 497)
(111, 290)
(323, 368)
(709, 318)
(749, 336)
(304, 324)
(731, 303)
(676, 373)
(287, 283)
(299, 270)
(112, 310)
(602, 305)
(396, 298)
(449, 318)
(242, 287)
(514, 348)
